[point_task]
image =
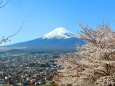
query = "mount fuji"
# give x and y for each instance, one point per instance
(59, 33)
(58, 40)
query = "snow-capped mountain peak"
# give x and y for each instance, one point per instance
(60, 32)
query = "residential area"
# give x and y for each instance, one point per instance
(27, 69)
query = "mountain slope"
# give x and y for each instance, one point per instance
(59, 39)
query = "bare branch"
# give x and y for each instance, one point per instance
(7, 38)
(0, 2)
(17, 31)
(4, 4)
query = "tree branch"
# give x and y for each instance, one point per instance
(0, 2)
(4, 4)
(7, 38)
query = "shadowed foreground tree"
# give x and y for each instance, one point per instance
(94, 64)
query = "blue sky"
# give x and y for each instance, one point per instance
(42, 16)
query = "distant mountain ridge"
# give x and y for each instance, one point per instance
(59, 39)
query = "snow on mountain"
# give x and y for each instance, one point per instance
(59, 40)
(59, 33)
